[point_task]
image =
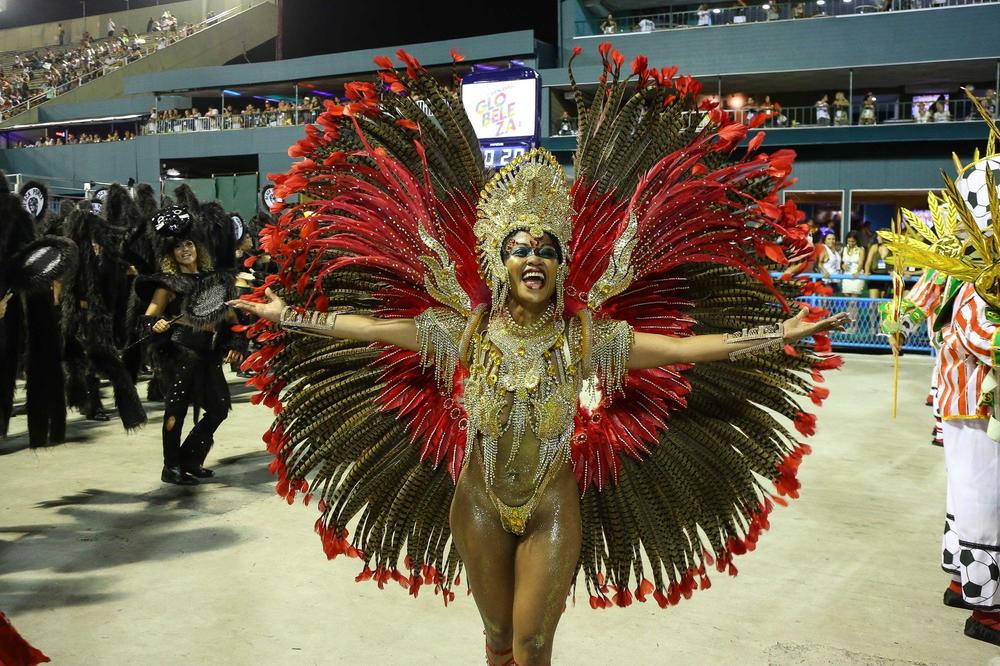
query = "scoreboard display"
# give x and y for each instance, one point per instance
(504, 107)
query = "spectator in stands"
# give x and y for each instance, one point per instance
(609, 26)
(828, 258)
(565, 125)
(941, 114)
(767, 108)
(799, 10)
(868, 115)
(814, 235)
(61, 32)
(111, 27)
(923, 114)
(841, 108)
(749, 109)
(704, 15)
(646, 25)
(151, 25)
(990, 101)
(865, 234)
(877, 263)
(823, 111)
(853, 261)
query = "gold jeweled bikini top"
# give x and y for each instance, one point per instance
(539, 371)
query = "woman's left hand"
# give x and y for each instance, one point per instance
(797, 327)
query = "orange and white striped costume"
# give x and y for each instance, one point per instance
(925, 297)
(966, 358)
(971, 545)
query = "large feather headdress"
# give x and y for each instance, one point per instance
(964, 242)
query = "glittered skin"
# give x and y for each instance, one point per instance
(520, 584)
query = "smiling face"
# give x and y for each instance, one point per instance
(531, 268)
(829, 240)
(186, 254)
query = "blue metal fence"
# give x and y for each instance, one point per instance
(864, 333)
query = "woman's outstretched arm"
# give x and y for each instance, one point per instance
(652, 351)
(399, 332)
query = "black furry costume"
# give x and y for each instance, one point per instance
(92, 306)
(29, 265)
(189, 354)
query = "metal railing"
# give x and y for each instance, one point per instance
(881, 113)
(147, 49)
(691, 17)
(864, 332)
(182, 124)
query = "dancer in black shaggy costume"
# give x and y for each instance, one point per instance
(90, 305)
(188, 324)
(29, 327)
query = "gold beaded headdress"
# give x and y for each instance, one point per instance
(529, 194)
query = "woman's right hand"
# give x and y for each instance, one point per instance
(161, 326)
(271, 310)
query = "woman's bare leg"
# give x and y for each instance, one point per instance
(546, 559)
(487, 550)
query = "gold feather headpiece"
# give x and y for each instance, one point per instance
(530, 194)
(965, 240)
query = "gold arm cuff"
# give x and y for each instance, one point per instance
(762, 332)
(766, 347)
(309, 322)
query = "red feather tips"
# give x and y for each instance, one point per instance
(383, 61)
(730, 136)
(822, 343)
(408, 124)
(456, 56)
(413, 66)
(805, 423)
(786, 482)
(755, 142)
(829, 363)
(818, 394)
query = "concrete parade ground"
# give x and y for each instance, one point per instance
(101, 563)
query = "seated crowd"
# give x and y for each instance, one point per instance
(54, 70)
(271, 114)
(749, 11)
(70, 139)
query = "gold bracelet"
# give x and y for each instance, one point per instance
(309, 322)
(762, 332)
(771, 346)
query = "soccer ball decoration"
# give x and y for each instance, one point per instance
(971, 186)
(982, 575)
(949, 549)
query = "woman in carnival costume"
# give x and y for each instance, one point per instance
(521, 291)
(187, 324)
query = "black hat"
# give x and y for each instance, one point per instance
(173, 222)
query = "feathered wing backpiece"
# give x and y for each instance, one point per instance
(674, 232)
(388, 189)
